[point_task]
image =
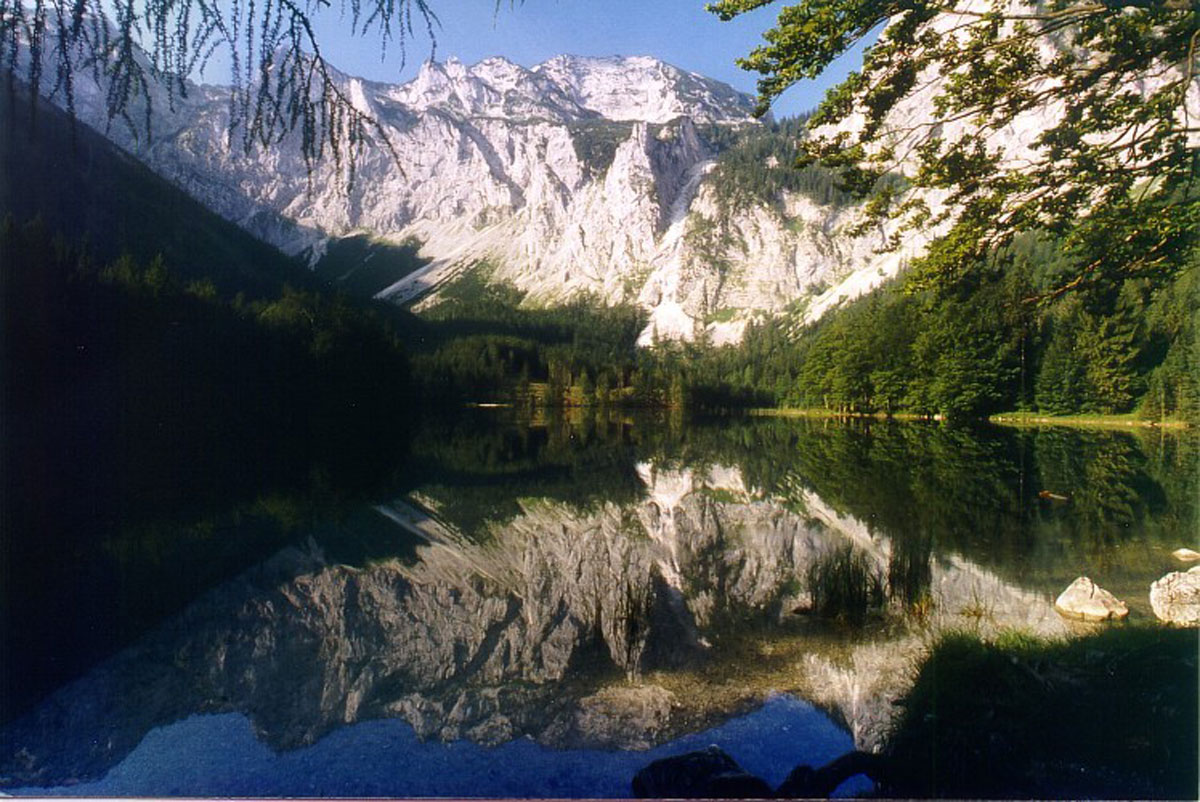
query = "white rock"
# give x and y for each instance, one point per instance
(1186, 555)
(1084, 599)
(498, 163)
(1176, 598)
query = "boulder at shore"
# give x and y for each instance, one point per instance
(1086, 600)
(1176, 598)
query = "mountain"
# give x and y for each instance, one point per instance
(594, 176)
(573, 88)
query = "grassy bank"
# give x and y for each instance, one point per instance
(1111, 715)
(798, 412)
(1086, 420)
(1082, 420)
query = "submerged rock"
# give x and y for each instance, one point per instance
(1186, 555)
(707, 774)
(1176, 598)
(1084, 599)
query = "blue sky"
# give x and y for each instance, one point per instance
(680, 32)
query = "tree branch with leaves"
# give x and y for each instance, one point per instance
(1074, 119)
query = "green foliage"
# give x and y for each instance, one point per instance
(962, 353)
(757, 168)
(972, 350)
(965, 354)
(1109, 347)
(1172, 351)
(596, 142)
(1111, 174)
(484, 344)
(888, 352)
(1060, 382)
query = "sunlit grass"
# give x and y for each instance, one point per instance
(1085, 419)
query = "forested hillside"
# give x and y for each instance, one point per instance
(87, 190)
(756, 166)
(981, 347)
(978, 348)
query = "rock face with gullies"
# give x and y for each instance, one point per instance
(1084, 599)
(1176, 598)
(576, 176)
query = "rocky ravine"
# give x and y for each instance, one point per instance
(567, 626)
(580, 175)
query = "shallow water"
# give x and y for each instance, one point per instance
(219, 755)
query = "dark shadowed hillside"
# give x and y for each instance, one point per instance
(174, 395)
(85, 188)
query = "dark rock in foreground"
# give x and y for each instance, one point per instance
(708, 774)
(805, 782)
(713, 774)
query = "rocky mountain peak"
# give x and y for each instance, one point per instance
(568, 88)
(645, 88)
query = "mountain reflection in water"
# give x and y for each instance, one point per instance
(219, 755)
(616, 584)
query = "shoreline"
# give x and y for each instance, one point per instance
(1001, 419)
(1085, 421)
(796, 412)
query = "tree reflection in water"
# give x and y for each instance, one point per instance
(611, 582)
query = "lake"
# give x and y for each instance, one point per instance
(540, 605)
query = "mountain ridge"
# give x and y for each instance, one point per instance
(579, 176)
(571, 88)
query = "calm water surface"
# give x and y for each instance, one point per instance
(541, 607)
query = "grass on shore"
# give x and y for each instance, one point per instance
(801, 412)
(1089, 420)
(1082, 420)
(1111, 715)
